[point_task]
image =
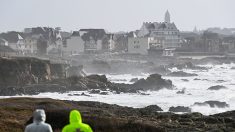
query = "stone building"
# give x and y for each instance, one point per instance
(165, 31)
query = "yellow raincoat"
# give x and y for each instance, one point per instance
(76, 124)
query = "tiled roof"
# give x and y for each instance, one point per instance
(95, 34)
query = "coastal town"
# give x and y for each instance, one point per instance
(117, 66)
(151, 39)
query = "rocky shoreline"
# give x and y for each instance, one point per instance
(32, 76)
(16, 113)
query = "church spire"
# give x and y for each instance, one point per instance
(167, 17)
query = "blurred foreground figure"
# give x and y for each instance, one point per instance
(76, 124)
(38, 124)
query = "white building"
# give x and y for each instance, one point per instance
(28, 45)
(138, 45)
(165, 30)
(20, 45)
(74, 45)
(3, 42)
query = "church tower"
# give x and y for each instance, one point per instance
(167, 17)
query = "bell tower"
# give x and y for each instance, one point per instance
(167, 17)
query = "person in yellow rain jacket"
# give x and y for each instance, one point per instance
(76, 124)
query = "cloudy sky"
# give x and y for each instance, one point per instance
(114, 15)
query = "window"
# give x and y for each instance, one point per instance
(137, 47)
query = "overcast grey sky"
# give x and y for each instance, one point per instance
(114, 15)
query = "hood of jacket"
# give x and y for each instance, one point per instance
(39, 115)
(75, 117)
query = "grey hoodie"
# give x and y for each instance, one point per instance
(38, 124)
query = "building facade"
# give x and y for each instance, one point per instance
(138, 45)
(166, 31)
(74, 45)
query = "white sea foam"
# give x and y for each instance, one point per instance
(195, 91)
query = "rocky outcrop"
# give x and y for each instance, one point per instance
(150, 109)
(181, 91)
(153, 82)
(104, 117)
(217, 87)
(22, 71)
(180, 109)
(216, 60)
(213, 104)
(162, 70)
(187, 65)
(134, 80)
(92, 82)
(181, 74)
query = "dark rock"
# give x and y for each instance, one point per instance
(185, 80)
(94, 91)
(179, 109)
(153, 82)
(82, 94)
(181, 74)
(141, 93)
(188, 65)
(104, 93)
(220, 81)
(151, 109)
(217, 87)
(119, 80)
(105, 117)
(211, 120)
(196, 79)
(163, 70)
(213, 104)
(181, 91)
(134, 80)
(100, 78)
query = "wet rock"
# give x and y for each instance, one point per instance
(104, 93)
(217, 87)
(141, 93)
(82, 94)
(185, 80)
(119, 80)
(100, 78)
(94, 91)
(180, 109)
(151, 109)
(11, 91)
(220, 81)
(213, 104)
(153, 82)
(181, 91)
(187, 65)
(181, 74)
(134, 80)
(162, 70)
(105, 117)
(211, 120)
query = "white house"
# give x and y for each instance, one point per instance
(74, 45)
(28, 45)
(166, 30)
(20, 45)
(138, 45)
(3, 42)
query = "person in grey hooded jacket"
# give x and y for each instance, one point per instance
(38, 124)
